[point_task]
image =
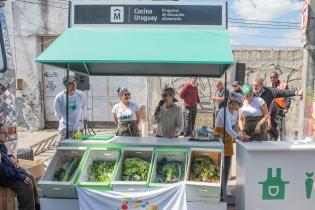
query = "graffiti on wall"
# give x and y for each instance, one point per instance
(28, 108)
(287, 63)
(51, 78)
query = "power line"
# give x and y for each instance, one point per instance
(264, 24)
(273, 28)
(264, 36)
(264, 21)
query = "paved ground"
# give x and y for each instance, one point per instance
(27, 139)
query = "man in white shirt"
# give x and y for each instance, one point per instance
(76, 107)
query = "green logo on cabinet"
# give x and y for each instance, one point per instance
(273, 187)
(309, 184)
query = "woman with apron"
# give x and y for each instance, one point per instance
(253, 115)
(126, 115)
(235, 101)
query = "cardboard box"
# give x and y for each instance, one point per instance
(35, 168)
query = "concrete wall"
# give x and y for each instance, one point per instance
(287, 62)
(29, 21)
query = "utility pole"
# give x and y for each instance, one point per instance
(308, 73)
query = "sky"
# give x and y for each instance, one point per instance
(265, 22)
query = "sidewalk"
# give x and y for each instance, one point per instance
(27, 139)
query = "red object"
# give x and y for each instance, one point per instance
(304, 19)
(190, 95)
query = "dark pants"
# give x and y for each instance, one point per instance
(226, 172)
(26, 194)
(273, 133)
(277, 128)
(249, 128)
(190, 120)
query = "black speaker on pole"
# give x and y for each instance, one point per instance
(83, 82)
(238, 72)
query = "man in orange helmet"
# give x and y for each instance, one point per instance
(278, 108)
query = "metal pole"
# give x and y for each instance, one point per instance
(225, 107)
(67, 103)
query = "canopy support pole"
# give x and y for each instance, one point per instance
(225, 107)
(67, 102)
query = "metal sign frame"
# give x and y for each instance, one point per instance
(222, 4)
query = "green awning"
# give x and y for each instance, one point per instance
(145, 51)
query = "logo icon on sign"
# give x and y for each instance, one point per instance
(116, 14)
(273, 187)
(309, 184)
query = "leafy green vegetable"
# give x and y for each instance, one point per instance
(65, 172)
(59, 174)
(204, 169)
(101, 170)
(170, 171)
(71, 169)
(135, 169)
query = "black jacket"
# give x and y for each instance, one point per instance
(8, 173)
(270, 93)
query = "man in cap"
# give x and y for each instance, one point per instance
(220, 95)
(237, 88)
(76, 107)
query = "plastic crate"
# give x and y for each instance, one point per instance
(208, 190)
(145, 153)
(100, 154)
(171, 154)
(48, 186)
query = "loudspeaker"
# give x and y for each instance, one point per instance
(83, 82)
(238, 72)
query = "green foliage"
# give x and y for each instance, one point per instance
(170, 171)
(135, 169)
(101, 170)
(204, 169)
(59, 174)
(72, 168)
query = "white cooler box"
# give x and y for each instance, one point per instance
(48, 186)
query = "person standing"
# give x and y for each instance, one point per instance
(236, 87)
(253, 115)
(220, 95)
(190, 95)
(126, 115)
(278, 108)
(76, 108)
(169, 116)
(270, 93)
(235, 101)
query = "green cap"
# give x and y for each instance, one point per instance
(247, 89)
